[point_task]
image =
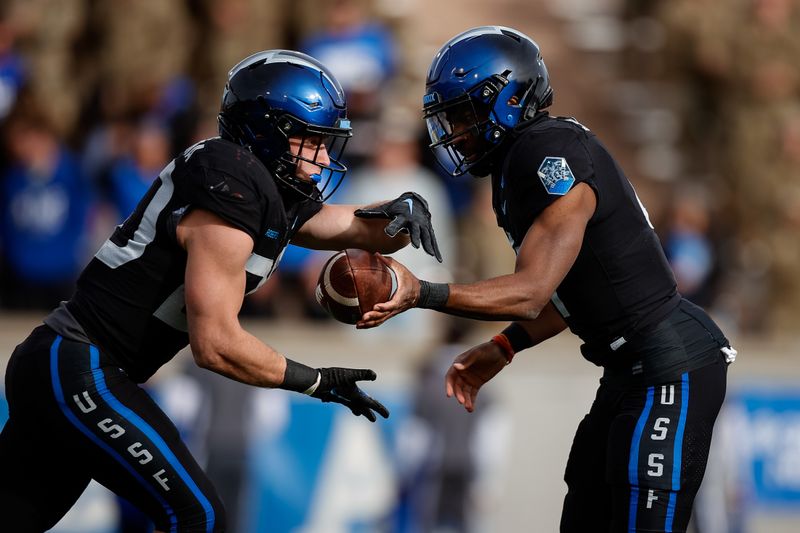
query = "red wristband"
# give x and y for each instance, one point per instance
(503, 342)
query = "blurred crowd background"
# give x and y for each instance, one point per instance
(698, 99)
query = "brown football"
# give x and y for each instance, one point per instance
(351, 283)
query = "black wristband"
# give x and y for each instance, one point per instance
(299, 377)
(518, 337)
(433, 295)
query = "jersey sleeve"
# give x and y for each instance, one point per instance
(302, 213)
(543, 167)
(230, 198)
(220, 182)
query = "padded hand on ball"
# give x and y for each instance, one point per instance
(351, 283)
(408, 213)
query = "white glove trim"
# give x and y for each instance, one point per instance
(312, 389)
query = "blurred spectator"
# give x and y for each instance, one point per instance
(105, 144)
(688, 246)
(223, 428)
(698, 37)
(45, 202)
(131, 175)
(484, 254)
(763, 89)
(739, 65)
(231, 30)
(762, 85)
(783, 238)
(764, 143)
(145, 46)
(12, 67)
(723, 77)
(47, 32)
(360, 51)
(446, 468)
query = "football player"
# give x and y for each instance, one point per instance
(588, 260)
(212, 228)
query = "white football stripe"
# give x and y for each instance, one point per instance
(318, 294)
(335, 296)
(393, 275)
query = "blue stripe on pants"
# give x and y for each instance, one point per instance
(59, 393)
(678, 452)
(633, 461)
(144, 427)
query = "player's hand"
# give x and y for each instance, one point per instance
(339, 385)
(408, 213)
(405, 296)
(471, 370)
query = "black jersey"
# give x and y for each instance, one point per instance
(130, 298)
(620, 281)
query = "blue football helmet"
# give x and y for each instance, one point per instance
(277, 94)
(481, 84)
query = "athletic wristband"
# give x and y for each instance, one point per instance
(300, 378)
(518, 337)
(502, 341)
(433, 295)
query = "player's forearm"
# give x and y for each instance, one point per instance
(335, 227)
(501, 298)
(238, 355)
(365, 234)
(548, 324)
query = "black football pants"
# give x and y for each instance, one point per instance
(73, 417)
(640, 454)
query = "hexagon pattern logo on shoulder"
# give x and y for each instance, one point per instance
(556, 176)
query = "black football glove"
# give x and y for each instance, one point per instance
(339, 385)
(409, 213)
